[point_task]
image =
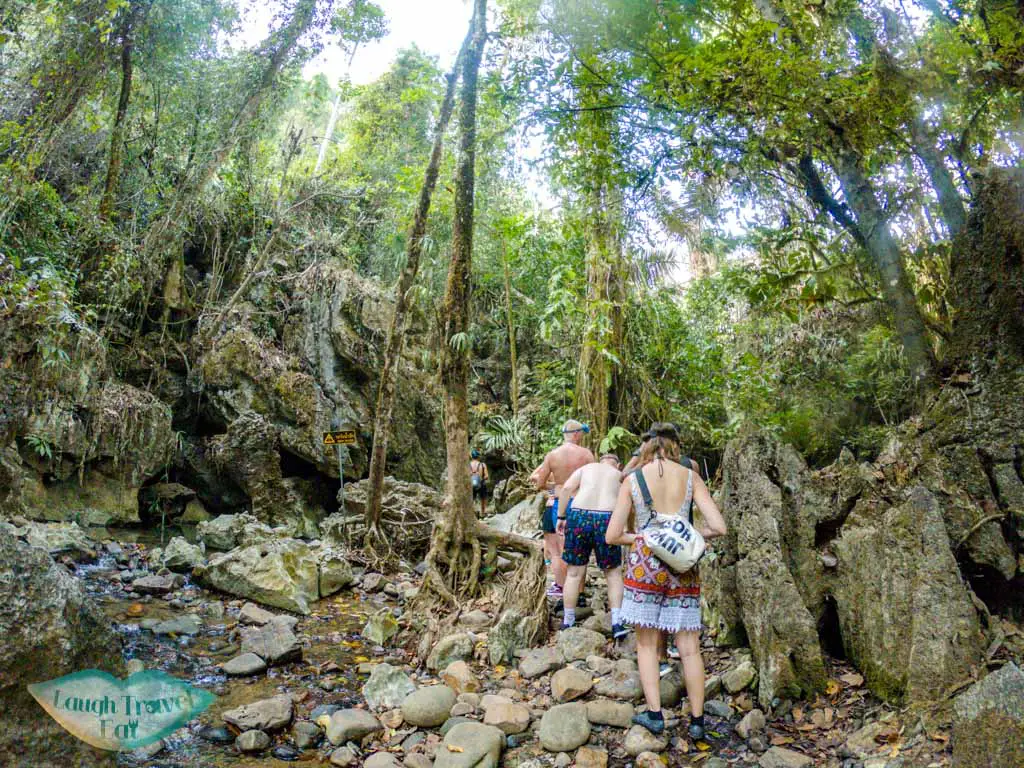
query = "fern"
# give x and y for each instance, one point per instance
(504, 434)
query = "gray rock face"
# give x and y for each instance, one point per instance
(564, 727)
(245, 664)
(50, 628)
(274, 642)
(282, 573)
(458, 647)
(988, 725)
(475, 746)
(387, 687)
(181, 556)
(576, 643)
(351, 725)
(428, 707)
(265, 715)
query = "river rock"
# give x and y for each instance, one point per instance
(181, 556)
(335, 570)
(780, 757)
(59, 539)
(599, 622)
(343, 757)
(470, 745)
(274, 642)
(671, 689)
(226, 532)
(380, 627)
(564, 727)
(49, 627)
(648, 760)
(739, 677)
(509, 717)
(189, 624)
(988, 721)
(428, 707)
(351, 725)
(458, 647)
(153, 585)
(608, 712)
(591, 757)
(475, 620)
(254, 614)
(306, 734)
(718, 708)
(752, 722)
(216, 735)
(245, 664)
(570, 683)
(416, 760)
(283, 573)
(387, 687)
(381, 760)
(540, 661)
(639, 739)
(264, 715)
(620, 685)
(576, 643)
(252, 741)
(599, 665)
(460, 678)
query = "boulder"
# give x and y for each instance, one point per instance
(264, 715)
(252, 741)
(470, 745)
(907, 619)
(780, 757)
(591, 757)
(351, 725)
(306, 735)
(620, 685)
(181, 556)
(253, 614)
(380, 627)
(194, 513)
(335, 570)
(540, 661)
(671, 689)
(460, 678)
(511, 634)
(739, 677)
(522, 519)
(576, 643)
(344, 757)
(189, 624)
(752, 722)
(283, 573)
(226, 532)
(381, 760)
(570, 683)
(609, 712)
(50, 628)
(458, 647)
(387, 687)
(245, 664)
(428, 707)
(59, 539)
(153, 585)
(274, 642)
(508, 716)
(988, 721)
(564, 727)
(639, 739)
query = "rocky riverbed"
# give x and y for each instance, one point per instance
(327, 687)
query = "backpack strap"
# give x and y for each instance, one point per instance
(644, 490)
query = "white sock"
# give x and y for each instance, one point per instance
(569, 618)
(616, 615)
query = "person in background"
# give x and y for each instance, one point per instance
(478, 477)
(594, 489)
(656, 599)
(557, 466)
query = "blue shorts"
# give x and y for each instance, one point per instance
(549, 520)
(584, 533)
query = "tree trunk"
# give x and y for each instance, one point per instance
(332, 121)
(135, 17)
(396, 332)
(885, 252)
(512, 353)
(453, 562)
(952, 205)
(161, 236)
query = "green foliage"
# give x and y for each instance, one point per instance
(40, 445)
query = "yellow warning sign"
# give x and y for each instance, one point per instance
(340, 437)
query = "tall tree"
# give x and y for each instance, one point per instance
(359, 22)
(133, 18)
(454, 559)
(397, 329)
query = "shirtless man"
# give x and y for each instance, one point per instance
(595, 488)
(556, 467)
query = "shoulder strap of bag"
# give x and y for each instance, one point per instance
(644, 490)
(689, 492)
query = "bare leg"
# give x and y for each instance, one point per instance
(615, 587)
(558, 565)
(647, 662)
(573, 584)
(688, 644)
